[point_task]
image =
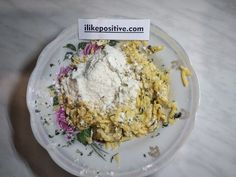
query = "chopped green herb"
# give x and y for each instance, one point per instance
(73, 140)
(82, 45)
(45, 122)
(155, 135)
(57, 132)
(70, 46)
(124, 84)
(141, 110)
(90, 153)
(68, 143)
(150, 60)
(165, 124)
(177, 115)
(112, 42)
(79, 152)
(50, 136)
(112, 157)
(55, 101)
(37, 111)
(51, 87)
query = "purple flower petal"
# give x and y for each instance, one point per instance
(61, 119)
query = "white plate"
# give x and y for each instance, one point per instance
(132, 160)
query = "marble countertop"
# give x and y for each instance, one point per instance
(205, 29)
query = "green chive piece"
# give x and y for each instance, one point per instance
(55, 101)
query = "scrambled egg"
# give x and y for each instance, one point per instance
(152, 109)
(184, 74)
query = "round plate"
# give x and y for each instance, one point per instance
(138, 157)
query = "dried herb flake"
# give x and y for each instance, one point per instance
(55, 101)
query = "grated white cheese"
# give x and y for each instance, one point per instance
(105, 81)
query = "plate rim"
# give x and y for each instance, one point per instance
(152, 168)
